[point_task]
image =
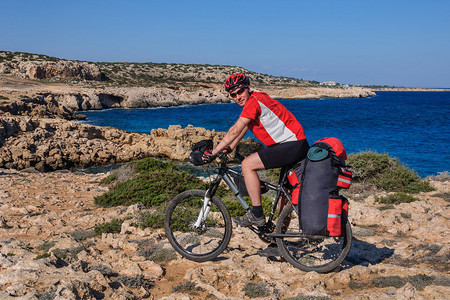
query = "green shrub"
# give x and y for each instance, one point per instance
(70, 252)
(50, 295)
(254, 290)
(385, 172)
(187, 287)
(109, 179)
(81, 235)
(396, 198)
(150, 189)
(443, 195)
(46, 246)
(44, 255)
(163, 254)
(104, 270)
(110, 227)
(135, 282)
(301, 297)
(157, 182)
(419, 281)
(395, 281)
(386, 207)
(235, 208)
(152, 220)
(406, 216)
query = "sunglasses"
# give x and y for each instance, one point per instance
(238, 92)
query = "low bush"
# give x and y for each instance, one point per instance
(187, 287)
(152, 219)
(443, 195)
(46, 246)
(110, 227)
(396, 198)
(135, 282)
(163, 254)
(441, 176)
(81, 235)
(155, 182)
(44, 255)
(235, 208)
(68, 253)
(255, 290)
(419, 281)
(386, 173)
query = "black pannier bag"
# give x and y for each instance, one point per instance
(316, 181)
(197, 152)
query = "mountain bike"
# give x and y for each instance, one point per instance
(198, 225)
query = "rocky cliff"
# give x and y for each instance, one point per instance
(40, 133)
(87, 85)
(51, 69)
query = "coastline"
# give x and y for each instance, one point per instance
(411, 90)
(80, 98)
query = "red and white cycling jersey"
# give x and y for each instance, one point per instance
(270, 121)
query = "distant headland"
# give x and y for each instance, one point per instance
(95, 85)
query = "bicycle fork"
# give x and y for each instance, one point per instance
(211, 192)
(204, 212)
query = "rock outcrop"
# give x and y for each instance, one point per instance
(40, 133)
(137, 97)
(52, 69)
(79, 85)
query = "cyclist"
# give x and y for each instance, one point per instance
(274, 126)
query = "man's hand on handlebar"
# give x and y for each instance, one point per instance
(227, 150)
(207, 156)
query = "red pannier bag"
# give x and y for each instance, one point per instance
(316, 181)
(337, 207)
(344, 179)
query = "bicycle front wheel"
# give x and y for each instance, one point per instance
(196, 238)
(311, 253)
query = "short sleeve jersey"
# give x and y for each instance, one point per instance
(270, 121)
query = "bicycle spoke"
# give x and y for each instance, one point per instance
(202, 242)
(308, 253)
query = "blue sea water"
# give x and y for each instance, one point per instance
(412, 126)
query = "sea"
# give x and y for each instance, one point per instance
(411, 126)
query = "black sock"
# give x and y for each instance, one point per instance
(257, 211)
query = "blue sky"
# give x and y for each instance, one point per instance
(396, 42)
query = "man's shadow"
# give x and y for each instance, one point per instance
(364, 253)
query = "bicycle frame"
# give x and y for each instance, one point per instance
(225, 173)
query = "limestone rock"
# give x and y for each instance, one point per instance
(61, 69)
(57, 142)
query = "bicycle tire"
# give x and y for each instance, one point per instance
(197, 244)
(321, 255)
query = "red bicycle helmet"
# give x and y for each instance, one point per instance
(235, 80)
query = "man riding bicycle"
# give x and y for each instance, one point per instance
(275, 126)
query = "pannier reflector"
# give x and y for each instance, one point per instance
(334, 216)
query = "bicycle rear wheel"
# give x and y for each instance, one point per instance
(197, 243)
(321, 254)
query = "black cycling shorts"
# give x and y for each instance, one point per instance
(285, 154)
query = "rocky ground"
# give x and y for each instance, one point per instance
(48, 250)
